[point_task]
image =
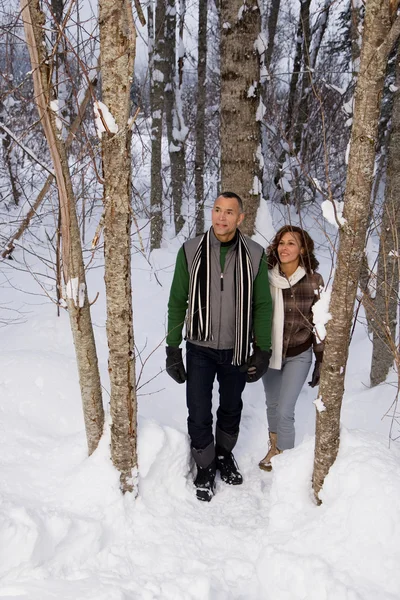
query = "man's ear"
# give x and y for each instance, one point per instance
(241, 218)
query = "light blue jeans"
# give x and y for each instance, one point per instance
(282, 388)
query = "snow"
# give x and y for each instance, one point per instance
(103, 118)
(332, 211)
(66, 532)
(76, 290)
(256, 188)
(158, 75)
(251, 92)
(261, 43)
(319, 405)
(260, 157)
(321, 314)
(261, 110)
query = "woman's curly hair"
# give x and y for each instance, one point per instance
(307, 259)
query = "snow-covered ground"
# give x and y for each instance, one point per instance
(67, 533)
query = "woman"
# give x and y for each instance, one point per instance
(295, 287)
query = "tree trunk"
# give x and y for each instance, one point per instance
(311, 44)
(265, 83)
(240, 132)
(157, 85)
(386, 300)
(378, 39)
(173, 113)
(72, 261)
(200, 117)
(117, 49)
(272, 23)
(290, 116)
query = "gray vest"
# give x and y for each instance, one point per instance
(222, 288)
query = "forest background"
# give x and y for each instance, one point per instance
(255, 97)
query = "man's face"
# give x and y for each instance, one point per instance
(226, 218)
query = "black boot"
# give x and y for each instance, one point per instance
(227, 466)
(205, 482)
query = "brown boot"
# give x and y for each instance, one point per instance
(265, 463)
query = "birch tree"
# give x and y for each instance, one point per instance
(73, 269)
(117, 48)
(381, 30)
(240, 99)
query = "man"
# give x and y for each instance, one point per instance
(221, 286)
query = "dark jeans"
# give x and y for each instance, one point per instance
(202, 365)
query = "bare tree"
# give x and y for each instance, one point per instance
(157, 47)
(201, 116)
(72, 262)
(381, 30)
(312, 39)
(272, 24)
(386, 301)
(176, 129)
(117, 62)
(240, 132)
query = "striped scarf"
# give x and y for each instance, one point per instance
(199, 305)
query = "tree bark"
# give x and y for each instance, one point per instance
(157, 85)
(386, 302)
(72, 261)
(240, 132)
(378, 39)
(117, 48)
(200, 117)
(272, 23)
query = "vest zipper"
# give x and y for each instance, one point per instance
(222, 282)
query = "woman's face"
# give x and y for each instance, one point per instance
(289, 248)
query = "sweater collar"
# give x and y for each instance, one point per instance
(215, 241)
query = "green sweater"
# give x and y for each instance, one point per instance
(178, 301)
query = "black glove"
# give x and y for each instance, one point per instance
(257, 365)
(317, 370)
(174, 364)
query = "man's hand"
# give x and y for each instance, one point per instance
(317, 370)
(174, 364)
(257, 365)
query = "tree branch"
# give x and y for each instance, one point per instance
(25, 149)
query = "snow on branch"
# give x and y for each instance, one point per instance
(104, 121)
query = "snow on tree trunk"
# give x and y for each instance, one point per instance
(72, 261)
(378, 39)
(157, 85)
(117, 47)
(201, 116)
(386, 302)
(241, 109)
